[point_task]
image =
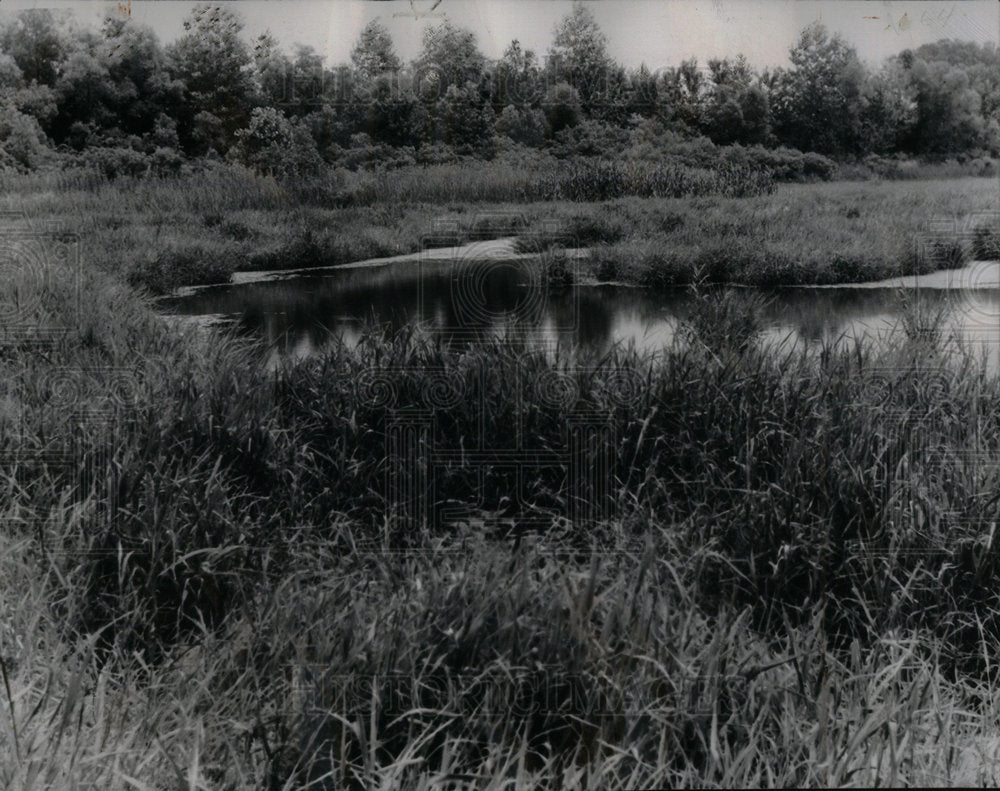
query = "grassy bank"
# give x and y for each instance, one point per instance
(806, 234)
(201, 228)
(786, 575)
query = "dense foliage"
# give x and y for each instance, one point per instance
(124, 103)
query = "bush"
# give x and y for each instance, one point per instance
(115, 163)
(588, 229)
(588, 139)
(436, 154)
(275, 146)
(166, 162)
(362, 156)
(194, 263)
(819, 166)
(23, 144)
(523, 125)
(785, 164)
(562, 107)
(986, 243)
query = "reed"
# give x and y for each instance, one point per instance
(785, 576)
(730, 224)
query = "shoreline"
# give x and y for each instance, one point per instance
(977, 274)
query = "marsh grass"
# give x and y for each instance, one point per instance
(802, 234)
(202, 227)
(577, 181)
(216, 585)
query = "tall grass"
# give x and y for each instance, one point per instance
(573, 182)
(802, 234)
(783, 576)
(731, 226)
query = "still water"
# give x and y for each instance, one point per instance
(299, 315)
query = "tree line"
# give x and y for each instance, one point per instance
(119, 99)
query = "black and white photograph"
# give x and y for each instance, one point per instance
(499, 394)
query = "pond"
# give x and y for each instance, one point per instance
(298, 314)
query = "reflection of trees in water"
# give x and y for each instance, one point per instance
(594, 319)
(505, 300)
(817, 313)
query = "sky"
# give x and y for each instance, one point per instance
(657, 33)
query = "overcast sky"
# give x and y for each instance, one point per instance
(658, 33)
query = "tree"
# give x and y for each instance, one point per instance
(137, 67)
(948, 118)
(276, 146)
(523, 125)
(643, 95)
(387, 113)
(272, 72)
(682, 96)
(84, 95)
(214, 64)
(956, 90)
(23, 145)
(736, 110)
(38, 41)
(817, 103)
(10, 75)
(450, 56)
(40, 102)
(562, 108)
(888, 109)
(466, 120)
(114, 86)
(373, 54)
(307, 81)
(516, 78)
(578, 56)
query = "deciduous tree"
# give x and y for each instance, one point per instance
(817, 103)
(374, 54)
(579, 57)
(215, 66)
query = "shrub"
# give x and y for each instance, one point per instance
(986, 243)
(23, 144)
(362, 156)
(166, 162)
(588, 229)
(436, 154)
(562, 107)
(192, 263)
(523, 125)
(113, 163)
(275, 146)
(818, 165)
(589, 138)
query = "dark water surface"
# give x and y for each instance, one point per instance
(297, 316)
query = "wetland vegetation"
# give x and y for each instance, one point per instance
(410, 563)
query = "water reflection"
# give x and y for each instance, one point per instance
(470, 302)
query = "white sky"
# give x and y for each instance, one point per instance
(658, 33)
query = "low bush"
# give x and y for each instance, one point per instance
(986, 242)
(189, 264)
